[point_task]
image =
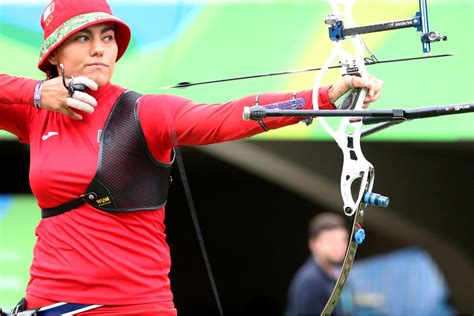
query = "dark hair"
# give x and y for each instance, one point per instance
(52, 72)
(325, 221)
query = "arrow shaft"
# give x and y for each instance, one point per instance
(369, 62)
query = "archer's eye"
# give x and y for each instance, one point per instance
(81, 38)
(109, 38)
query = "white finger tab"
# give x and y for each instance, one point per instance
(79, 105)
(84, 97)
(86, 81)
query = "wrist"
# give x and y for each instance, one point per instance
(324, 97)
(37, 94)
(332, 95)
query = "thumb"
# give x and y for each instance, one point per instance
(359, 82)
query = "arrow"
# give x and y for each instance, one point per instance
(368, 61)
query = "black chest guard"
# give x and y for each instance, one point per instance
(128, 178)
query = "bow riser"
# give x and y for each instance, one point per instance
(347, 135)
(352, 171)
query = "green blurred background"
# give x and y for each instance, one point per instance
(204, 40)
(193, 41)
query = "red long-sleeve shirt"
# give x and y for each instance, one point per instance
(90, 256)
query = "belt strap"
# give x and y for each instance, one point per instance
(56, 309)
(65, 309)
(63, 208)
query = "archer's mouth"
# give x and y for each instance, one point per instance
(97, 65)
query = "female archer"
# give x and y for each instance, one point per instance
(100, 163)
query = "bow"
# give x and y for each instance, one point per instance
(356, 168)
(349, 132)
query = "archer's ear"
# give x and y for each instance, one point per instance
(53, 58)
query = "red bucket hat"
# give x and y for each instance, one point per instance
(62, 18)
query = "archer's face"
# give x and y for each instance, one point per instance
(91, 53)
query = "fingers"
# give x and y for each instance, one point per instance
(357, 82)
(340, 87)
(373, 98)
(373, 85)
(84, 97)
(375, 88)
(86, 81)
(79, 105)
(80, 101)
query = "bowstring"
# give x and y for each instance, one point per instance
(197, 228)
(189, 197)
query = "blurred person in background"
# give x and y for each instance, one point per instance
(314, 281)
(101, 244)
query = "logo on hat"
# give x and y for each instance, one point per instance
(47, 17)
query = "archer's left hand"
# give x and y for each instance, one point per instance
(374, 87)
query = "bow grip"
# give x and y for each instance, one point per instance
(350, 101)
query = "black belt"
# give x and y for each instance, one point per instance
(65, 207)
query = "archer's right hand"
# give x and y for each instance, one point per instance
(55, 97)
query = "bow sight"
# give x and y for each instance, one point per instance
(338, 32)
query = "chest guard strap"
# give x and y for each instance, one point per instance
(128, 178)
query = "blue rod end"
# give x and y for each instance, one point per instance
(376, 199)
